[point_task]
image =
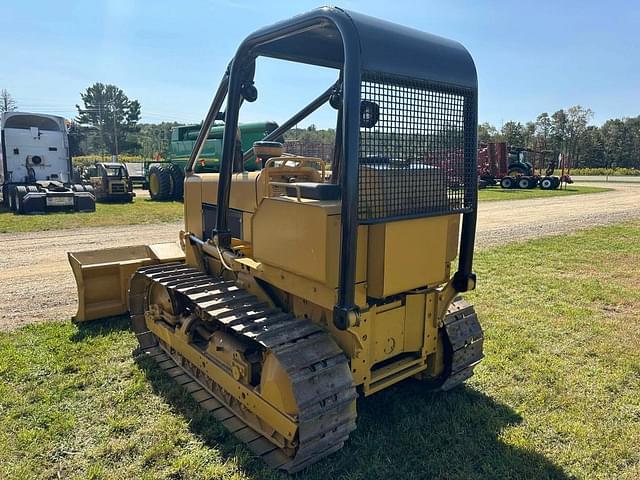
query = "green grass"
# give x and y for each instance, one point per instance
(557, 396)
(142, 210)
(497, 193)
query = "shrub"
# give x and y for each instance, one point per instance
(86, 160)
(606, 171)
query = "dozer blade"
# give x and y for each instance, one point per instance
(103, 276)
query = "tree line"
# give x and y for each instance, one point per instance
(108, 123)
(616, 143)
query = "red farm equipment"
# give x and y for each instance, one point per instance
(521, 167)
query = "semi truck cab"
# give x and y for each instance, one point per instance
(36, 166)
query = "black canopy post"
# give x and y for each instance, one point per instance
(214, 109)
(221, 233)
(345, 311)
(464, 279)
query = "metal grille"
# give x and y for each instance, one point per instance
(419, 157)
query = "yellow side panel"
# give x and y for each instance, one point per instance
(410, 254)
(243, 194)
(388, 334)
(414, 322)
(303, 238)
(396, 328)
(453, 236)
(193, 204)
(292, 237)
(246, 226)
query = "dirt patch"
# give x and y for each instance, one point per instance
(36, 282)
(517, 220)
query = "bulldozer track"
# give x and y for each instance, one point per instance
(319, 371)
(465, 340)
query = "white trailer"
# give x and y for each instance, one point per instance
(36, 174)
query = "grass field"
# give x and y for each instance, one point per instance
(557, 396)
(142, 210)
(497, 193)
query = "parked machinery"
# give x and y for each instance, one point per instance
(136, 173)
(300, 289)
(492, 163)
(521, 167)
(164, 179)
(37, 176)
(111, 182)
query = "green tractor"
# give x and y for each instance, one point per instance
(164, 179)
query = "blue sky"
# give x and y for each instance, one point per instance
(530, 56)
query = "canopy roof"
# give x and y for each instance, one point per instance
(384, 47)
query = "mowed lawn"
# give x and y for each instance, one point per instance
(142, 210)
(498, 193)
(557, 396)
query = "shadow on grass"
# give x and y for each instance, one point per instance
(102, 327)
(156, 201)
(403, 432)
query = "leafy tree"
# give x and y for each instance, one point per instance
(619, 143)
(77, 139)
(616, 142)
(543, 131)
(513, 133)
(591, 148)
(633, 125)
(155, 138)
(7, 103)
(311, 135)
(558, 131)
(577, 120)
(487, 133)
(528, 134)
(110, 118)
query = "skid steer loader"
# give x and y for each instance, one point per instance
(301, 289)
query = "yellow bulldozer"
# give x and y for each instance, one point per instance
(110, 182)
(300, 286)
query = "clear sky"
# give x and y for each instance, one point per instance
(531, 56)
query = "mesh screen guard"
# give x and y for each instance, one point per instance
(419, 157)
